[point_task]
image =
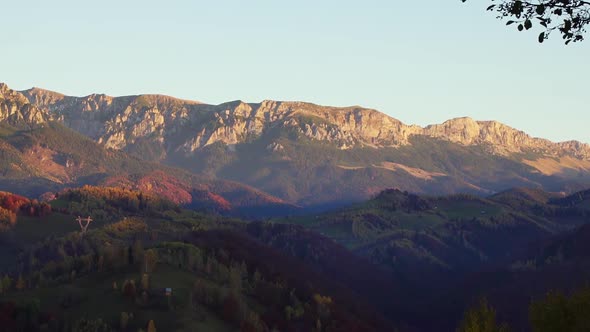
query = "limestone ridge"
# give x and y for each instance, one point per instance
(502, 139)
(187, 126)
(16, 110)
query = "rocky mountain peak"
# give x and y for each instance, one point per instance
(16, 109)
(462, 130)
(38, 96)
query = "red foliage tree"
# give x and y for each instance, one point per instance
(231, 309)
(7, 317)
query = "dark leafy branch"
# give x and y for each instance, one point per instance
(568, 17)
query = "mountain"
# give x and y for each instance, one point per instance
(41, 155)
(317, 155)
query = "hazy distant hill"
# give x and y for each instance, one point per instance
(313, 155)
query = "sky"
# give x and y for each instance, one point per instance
(421, 62)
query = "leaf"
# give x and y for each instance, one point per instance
(490, 7)
(540, 9)
(520, 27)
(510, 22)
(541, 37)
(528, 24)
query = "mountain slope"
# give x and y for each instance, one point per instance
(447, 251)
(418, 237)
(41, 155)
(225, 275)
(319, 155)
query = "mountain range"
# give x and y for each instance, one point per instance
(305, 154)
(428, 228)
(40, 156)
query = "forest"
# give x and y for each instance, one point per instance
(147, 264)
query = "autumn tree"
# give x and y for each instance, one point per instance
(7, 219)
(129, 289)
(145, 281)
(323, 304)
(151, 326)
(232, 308)
(150, 260)
(20, 283)
(568, 17)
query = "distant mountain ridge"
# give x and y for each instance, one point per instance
(318, 155)
(123, 120)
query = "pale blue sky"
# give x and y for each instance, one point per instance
(419, 61)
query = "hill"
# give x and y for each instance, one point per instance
(437, 245)
(222, 273)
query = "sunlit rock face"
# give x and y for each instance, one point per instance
(187, 126)
(16, 109)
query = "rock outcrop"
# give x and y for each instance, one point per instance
(17, 111)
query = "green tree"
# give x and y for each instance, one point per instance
(557, 312)
(482, 318)
(138, 252)
(6, 283)
(86, 325)
(124, 321)
(235, 279)
(568, 17)
(100, 263)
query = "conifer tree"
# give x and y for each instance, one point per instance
(481, 319)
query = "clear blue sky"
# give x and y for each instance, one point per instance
(419, 61)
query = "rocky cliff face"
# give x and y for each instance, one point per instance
(502, 139)
(187, 126)
(16, 109)
(272, 146)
